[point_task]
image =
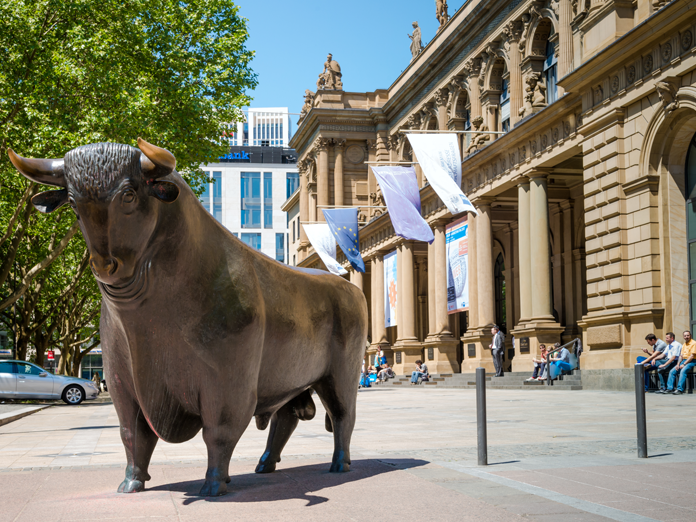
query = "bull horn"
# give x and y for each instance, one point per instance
(160, 162)
(44, 171)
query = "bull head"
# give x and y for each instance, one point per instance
(155, 163)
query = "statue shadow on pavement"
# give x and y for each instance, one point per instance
(301, 482)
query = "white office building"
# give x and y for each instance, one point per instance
(251, 182)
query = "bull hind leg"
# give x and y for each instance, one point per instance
(339, 396)
(283, 424)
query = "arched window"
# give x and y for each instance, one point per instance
(550, 73)
(500, 313)
(505, 102)
(691, 226)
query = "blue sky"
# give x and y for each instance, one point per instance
(368, 38)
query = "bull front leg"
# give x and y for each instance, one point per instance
(220, 440)
(138, 440)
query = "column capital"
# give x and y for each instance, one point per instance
(538, 173)
(522, 180)
(321, 144)
(513, 31)
(339, 144)
(441, 97)
(483, 201)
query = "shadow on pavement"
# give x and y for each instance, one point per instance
(290, 483)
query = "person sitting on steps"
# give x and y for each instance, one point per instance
(539, 364)
(687, 360)
(655, 358)
(561, 360)
(669, 361)
(421, 372)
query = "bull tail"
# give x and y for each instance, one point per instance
(327, 424)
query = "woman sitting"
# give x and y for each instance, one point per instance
(539, 365)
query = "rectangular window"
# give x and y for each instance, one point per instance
(550, 73)
(294, 262)
(217, 196)
(251, 199)
(280, 247)
(253, 240)
(205, 197)
(505, 107)
(268, 200)
(293, 233)
(291, 183)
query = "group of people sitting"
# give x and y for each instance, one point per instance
(558, 357)
(671, 360)
(380, 370)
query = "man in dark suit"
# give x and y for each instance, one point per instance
(497, 347)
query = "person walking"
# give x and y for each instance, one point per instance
(497, 347)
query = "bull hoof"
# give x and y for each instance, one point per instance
(265, 467)
(213, 488)
(339, 467)
(131, 486)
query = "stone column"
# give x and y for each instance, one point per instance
(542, 309)
(524, 251)
(474, 89)
(441, 104)
(565, 39)
(312, 207)
(516, 88)
(473, 270)
(432, 298)
(322, 176)
(304, 202)
(484, 262)
(338, 172)
(356, 278)
(406, 292)
(442, 320)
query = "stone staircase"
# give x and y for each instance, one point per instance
(510, 381)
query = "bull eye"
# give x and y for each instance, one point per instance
(128, 197)
(73, 206)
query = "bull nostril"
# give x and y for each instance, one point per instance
(110, 265)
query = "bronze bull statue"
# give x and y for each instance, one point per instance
(198, 329)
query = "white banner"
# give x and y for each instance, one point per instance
(390, 289)
(438, 155)
(324, 243)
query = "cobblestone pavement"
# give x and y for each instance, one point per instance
(553, 455)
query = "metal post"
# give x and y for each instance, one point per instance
(481, 416)
(640, 412)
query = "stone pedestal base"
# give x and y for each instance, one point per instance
(481, 339)
(444, 354)
(405, 355)
(534, 334)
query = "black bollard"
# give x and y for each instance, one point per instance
(640, 412)
(481, 416)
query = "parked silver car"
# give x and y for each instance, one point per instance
(24, 380)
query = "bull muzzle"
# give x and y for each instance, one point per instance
(105, 268)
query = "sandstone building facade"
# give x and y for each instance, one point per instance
(585, 226)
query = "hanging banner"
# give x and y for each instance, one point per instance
(324, 243)
(390, 290)
(400, 190)
(438, 155)
(457, 241)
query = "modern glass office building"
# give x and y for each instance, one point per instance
(249, 184)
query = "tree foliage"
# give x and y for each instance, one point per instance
(82, 71)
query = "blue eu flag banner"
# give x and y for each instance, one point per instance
(344, 226)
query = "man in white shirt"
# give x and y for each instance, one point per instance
(670, 359)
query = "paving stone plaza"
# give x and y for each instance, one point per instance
(553, 455)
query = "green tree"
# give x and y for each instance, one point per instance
(82, 71)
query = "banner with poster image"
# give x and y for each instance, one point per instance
(457, 242)
(390, 289)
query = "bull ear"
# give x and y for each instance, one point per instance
(45, 171)
(155, 162)
(164, 190)
(47, 202)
